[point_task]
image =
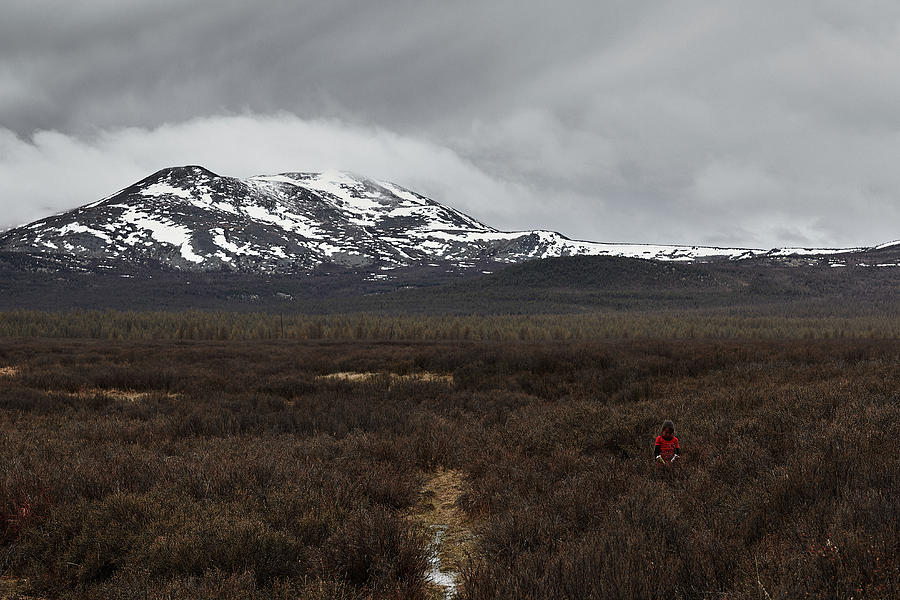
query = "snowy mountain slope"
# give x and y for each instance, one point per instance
(189, 218)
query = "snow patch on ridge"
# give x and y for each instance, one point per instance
(403, 193)
(79, 228)
(161, 231)
(810, 251)
(162, 189)
(221, 241)
(284, 220)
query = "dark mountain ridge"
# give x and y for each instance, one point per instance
(191, 219)
(187, 238)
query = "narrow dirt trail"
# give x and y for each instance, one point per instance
(451, 530)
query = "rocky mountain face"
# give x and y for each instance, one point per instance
(190, 219)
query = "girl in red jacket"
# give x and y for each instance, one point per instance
(666, 446)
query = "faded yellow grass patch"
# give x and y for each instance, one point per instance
(438, 510)
(117, 394)
(394, 377)
(10, 371)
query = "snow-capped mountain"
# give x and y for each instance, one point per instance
(189, 218)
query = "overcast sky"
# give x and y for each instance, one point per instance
(725, 122)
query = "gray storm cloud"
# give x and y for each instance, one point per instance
(732, 123)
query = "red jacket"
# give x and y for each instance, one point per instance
(666, 448)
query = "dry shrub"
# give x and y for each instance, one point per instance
(242, 474)
(377, 549)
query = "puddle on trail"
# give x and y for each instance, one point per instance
(394, 377)
(445, 580)
(451, 530)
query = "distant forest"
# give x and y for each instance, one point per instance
(199, 325)
(571, 285)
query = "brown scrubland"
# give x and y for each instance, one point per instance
(318, 468)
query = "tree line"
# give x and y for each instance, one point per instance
(201, 325)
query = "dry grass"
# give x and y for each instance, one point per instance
(9, 371)
(244, 474)
(121, 395)
(10, 588)
(347, 376)
(361, 376)
(7, 587)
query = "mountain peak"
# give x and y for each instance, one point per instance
(182, 172)
(342, 184)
